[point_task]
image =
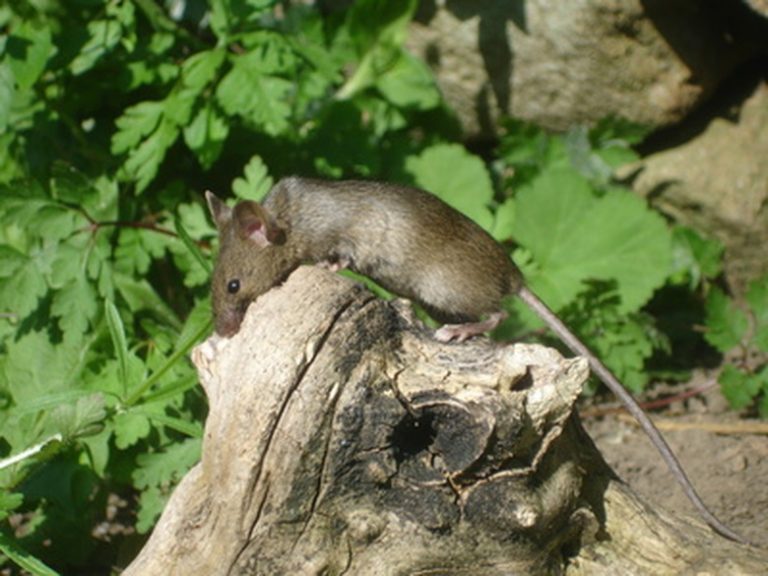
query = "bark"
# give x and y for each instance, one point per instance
(342, 438)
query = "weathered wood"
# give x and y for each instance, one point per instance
(342, 438)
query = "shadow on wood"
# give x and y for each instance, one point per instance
(342, 438)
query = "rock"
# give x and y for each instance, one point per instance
(649, 62)
(717, 182)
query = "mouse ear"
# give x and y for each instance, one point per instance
(220, 212)
(254, 223)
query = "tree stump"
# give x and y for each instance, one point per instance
(343, 439)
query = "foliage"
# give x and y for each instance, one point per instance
(594, 252)
(115, 116)
(744, 381)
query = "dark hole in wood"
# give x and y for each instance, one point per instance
(413, 434)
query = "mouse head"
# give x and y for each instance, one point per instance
(249, 262)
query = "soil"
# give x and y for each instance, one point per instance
(725, 456)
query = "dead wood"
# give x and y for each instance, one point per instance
(343, 439)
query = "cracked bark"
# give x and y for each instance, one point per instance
(342, 439)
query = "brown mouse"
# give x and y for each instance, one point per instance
(409, 242)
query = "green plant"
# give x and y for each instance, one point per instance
(592, 250)
(742, 332)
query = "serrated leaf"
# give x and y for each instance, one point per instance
(256, 183)
(151, 504)
(21, 290)
(195, 273)
(206, 134)
(33, 367)
(157, 472)
(103, 36)
(726, 324)
(136, 122)
(694, 257)
(129, 428)
(409, 84)
(135, 250)
(190, 246)
(166, 467)
(200, 69)
(140, 295)
(456, 177)
(372, 22)
(260, 99)
(84, 417)
(194, 217)
(28, 49)
(75, 305)
(757, 297)
(738, 387)
(575, 236)
(144, 161)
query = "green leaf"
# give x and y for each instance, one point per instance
(19, 556)
(738, 387)
(726, 324)
(140, 295)
(409, 84)
(103, 36)
(167, 467)
(256, 183)
(28, 49)
(575, 236)
(9, 501)
(136, 122)
(504, 221)
(84, 417)
(76, 305)
(527, 151)
(23, 284)
(206, 134)
(694, 258)
(151, 504)
(119, 343)
(144, 161)
(200, 69)
(382, 22)
(33, 367)
(757, 297)
(130, 427)
(7, 93)
(262, 100)
(457, 177)
(157, 472)
(190, 245)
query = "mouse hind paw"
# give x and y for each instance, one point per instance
(461, 332)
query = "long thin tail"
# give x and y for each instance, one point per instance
(607, 377)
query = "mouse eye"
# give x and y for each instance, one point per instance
(233, 286)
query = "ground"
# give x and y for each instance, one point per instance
(728, 466)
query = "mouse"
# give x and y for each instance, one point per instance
(409, 242)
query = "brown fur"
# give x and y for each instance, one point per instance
(407, 240)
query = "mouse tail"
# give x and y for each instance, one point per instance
(607, 377)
